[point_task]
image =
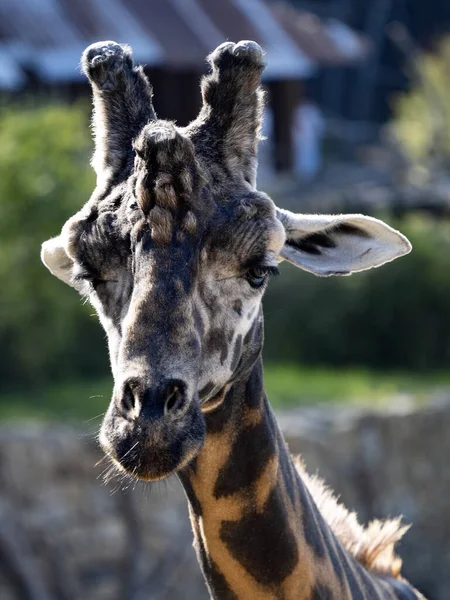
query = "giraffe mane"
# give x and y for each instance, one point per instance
(372, 546)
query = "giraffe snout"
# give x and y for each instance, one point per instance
(152, 429)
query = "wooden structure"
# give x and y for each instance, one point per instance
(40, 48)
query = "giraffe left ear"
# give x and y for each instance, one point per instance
(55, 258)
(339, 244)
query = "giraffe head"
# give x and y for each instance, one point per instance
(176, 247)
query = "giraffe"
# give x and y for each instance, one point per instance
(174, 249)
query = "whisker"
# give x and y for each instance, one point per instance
(100, 460)
(109, 469)
(97, 416)
(128, 451)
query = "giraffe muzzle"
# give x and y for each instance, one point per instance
(152, 431)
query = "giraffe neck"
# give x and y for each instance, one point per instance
(258, 533)
(237, 502)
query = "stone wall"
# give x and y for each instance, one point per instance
(388, 464)
(65, 536)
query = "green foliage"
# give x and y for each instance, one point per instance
(290, 385)
(72, 399)
(44, 178)
(286, 386)
(395, 317)
(421, 121)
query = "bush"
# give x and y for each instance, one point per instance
(394, 317)
(44, 178)
(397, 316)
(421, 122)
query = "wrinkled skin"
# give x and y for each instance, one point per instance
(175, 248)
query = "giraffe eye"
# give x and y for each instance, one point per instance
(100, 283)
(94, 282)
(257, 276)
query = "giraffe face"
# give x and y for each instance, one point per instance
(177, 277)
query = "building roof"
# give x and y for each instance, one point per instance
(328, 42)
(47, 37)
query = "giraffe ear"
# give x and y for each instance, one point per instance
(55, 258)
(339, 244)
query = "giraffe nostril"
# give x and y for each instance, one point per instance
(128, 399)
(138, 400)
(175, 401)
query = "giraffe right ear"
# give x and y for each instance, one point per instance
(339, 244)
(55, 258)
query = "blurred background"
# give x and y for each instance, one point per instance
(357, 120)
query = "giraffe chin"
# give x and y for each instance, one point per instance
(152, 451)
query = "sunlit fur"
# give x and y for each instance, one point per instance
(174, 250)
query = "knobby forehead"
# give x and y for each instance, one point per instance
(171, 198)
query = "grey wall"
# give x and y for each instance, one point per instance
(65, 536)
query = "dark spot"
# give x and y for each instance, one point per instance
(216, 420)
(214, 578)
(252, 347)
(251, 313)
(311, 527)
(247, 361)
(191, 495)
(206, 390)
(254, 388)
(237, 307)
(247, 459)
(217, 582)
(313, 243)
(211, 303)
(236, 353)
(199, 325)
(289, 481)
(312, 534)
(217, 343)
(351, 569)
(337, 565)
(322, 592)
(92, 216)
(250, 333)
(223, 353)
(258, 536)
(351, 230)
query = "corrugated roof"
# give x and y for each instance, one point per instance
(48, 36)
(325, 41)
(284, 57)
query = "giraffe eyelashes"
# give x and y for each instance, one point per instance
(94, 282)
(258, 276)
